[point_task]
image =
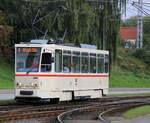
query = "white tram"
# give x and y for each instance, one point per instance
(51, 71)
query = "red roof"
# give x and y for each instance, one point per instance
(128, 32)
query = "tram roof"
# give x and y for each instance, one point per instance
(86, 48)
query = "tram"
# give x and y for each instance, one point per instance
(60, 72)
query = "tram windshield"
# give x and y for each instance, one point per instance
(27, 59)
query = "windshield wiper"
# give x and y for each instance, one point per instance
(30, 70)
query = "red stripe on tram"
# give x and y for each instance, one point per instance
(55, 75)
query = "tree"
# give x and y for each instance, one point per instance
(91, 22)
(5, 33)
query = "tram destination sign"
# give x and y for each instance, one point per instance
(27, 50)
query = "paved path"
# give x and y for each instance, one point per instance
(82, 121)
(9, 93)
(6, 94)
(142, 119)
(128, 90)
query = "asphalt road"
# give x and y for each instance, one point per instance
(6, 94)
(128, 90)
(141, 119)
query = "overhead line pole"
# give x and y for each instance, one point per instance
(140, 26)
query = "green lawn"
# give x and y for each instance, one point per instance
(6, 74)
(136, 112)
(129, 71)
(126, 79)
(7, 101)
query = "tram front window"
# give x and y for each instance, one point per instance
(27, 59)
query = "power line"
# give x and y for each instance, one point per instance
(131, 10)
(145, 3)
(146, 9)
(136, 5)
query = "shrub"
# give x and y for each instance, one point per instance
(139, 53)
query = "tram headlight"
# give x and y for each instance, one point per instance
(35, 84)
(18, 84)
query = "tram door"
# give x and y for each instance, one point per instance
(75, 68)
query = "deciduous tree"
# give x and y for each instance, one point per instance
(5, 33)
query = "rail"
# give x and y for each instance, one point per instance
(26, 111)
(107, 107)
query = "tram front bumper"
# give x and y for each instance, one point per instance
(27, 93)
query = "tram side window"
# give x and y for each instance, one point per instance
(100, 68)
(46, 62)
(92, 63)
(58, 60)
(84, 63)
(66, 61)
(106, 63)
(75, 68)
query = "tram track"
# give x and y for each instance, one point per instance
(102, 116)
(103, 108)
(38, 111)
(49, 110)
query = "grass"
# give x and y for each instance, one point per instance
(7, 101)
(136, 112)
(129, 72)
(6, 74)
(125, 79)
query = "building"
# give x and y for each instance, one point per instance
(129, 36)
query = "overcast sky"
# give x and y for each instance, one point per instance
(132, 11)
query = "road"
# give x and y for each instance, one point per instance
(128, 90)
(141, 119)
(6, 94)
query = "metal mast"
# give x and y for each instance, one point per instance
(139, 43)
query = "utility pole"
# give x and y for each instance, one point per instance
(139, 43)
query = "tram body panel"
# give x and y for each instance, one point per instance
(48, 85)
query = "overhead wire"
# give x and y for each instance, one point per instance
(131, 10)
(146, 5)
(134, 4)
(144, 10)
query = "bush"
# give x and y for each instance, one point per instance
(139, 53)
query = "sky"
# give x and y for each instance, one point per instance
(132, 11)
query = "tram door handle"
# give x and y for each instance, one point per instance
(76, 82)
